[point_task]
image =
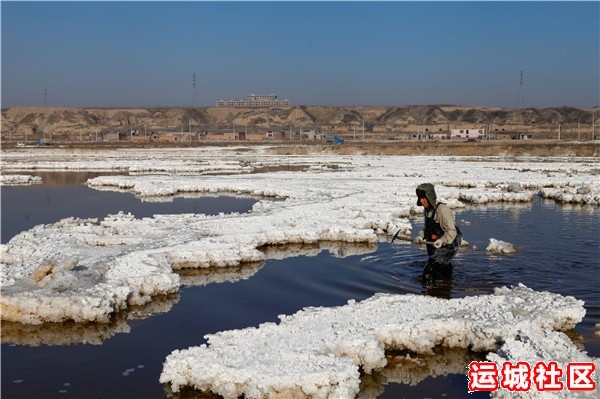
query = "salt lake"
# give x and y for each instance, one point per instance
(558, 248)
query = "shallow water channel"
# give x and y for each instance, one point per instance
(558, 250)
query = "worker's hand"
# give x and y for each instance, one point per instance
(419, 240)
(438, 243)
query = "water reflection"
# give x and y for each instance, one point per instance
(70, 333)
(335, 248)
(24, 207)
(64, 179)
(440, 288)
(201, 277)
(411, 369)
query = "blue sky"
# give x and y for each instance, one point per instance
(103, 54)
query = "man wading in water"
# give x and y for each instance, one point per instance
(440, 231)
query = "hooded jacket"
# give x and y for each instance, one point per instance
(429, 191)
(439, 211)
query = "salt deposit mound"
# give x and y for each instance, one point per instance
(319, 352)
(500, 247)
(19, 180)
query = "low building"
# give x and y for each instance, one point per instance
(220, 136)
(467, 134)
(111, 136)
(513, 136)
(312, 134)
(439, 136)
(166, 137)
(280, 135)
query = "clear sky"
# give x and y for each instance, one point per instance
(135, 53)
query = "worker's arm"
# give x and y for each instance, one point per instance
(446, 220)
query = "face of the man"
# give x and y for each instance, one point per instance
(424, 202)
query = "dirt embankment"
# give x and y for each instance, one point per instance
(538, 148)
(492, 148)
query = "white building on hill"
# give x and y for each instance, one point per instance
(254, 101)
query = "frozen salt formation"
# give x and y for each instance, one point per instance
(482, 198)
(19, 180)
(289, 359)
(88, 269)
(514, 187)
(542, 346)
(500, 247)
(575, 195)
(86, 275)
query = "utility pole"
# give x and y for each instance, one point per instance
(363, 129)
(521, 96)
(194, 92)
(594, 123)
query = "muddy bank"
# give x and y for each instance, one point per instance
(488, 148)
(505, 148)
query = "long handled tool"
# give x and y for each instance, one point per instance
(401, 238)
(442, 255)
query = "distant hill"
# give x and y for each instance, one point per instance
(543, 123)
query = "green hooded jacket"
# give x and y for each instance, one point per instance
(429, 190)
(443, 215)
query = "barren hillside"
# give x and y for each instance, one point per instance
(19, 122)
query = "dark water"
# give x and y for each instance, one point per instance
(558, 251)
(62, 195)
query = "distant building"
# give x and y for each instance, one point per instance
(254, 101)
(111, 136)
(467, 134)
(312, 134)
(513, 136)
